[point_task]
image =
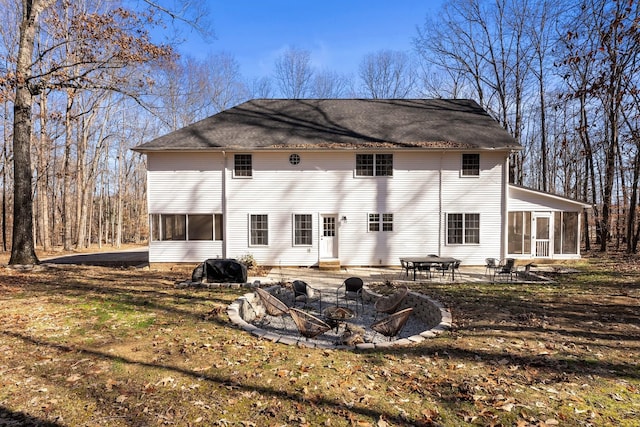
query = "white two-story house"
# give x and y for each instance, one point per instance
(350, 182)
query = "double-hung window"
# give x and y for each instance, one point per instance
(463, 228)
(374, 164)
(380, 222)
(302, 230)
(259, 230)
(470, 164)
(242, 165)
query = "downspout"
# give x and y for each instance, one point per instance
(440, 217)
(505, 209)
(224, 205)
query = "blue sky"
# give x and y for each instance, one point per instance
(337, 33)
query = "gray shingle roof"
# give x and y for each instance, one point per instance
(341, 123)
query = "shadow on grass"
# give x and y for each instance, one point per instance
(13, 418)
(104, 259)
(223, 381)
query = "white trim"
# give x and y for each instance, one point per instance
(549, 195)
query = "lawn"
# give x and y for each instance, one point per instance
(91, 346)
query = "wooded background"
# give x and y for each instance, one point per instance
(562, 79)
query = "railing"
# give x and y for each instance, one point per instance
(542, 248)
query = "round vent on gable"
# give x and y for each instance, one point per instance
(294, 159)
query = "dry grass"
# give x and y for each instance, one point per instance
(120, 347)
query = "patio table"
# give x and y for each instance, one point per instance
(420, 261)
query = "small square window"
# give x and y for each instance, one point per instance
(243, 165)
(380, 222)
(470, 164)
(364, 164)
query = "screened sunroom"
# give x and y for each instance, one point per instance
(541, 225)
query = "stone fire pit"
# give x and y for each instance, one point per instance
(429, 319)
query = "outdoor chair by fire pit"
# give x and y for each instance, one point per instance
(391, 325)
(302, 292)
(272, 305)
(351, 290)
(390, 303)
(308, 325)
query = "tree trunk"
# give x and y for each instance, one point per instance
(23, 248)
(5, 157)
(67, 225)
(42, 182)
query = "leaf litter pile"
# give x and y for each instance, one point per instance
(93, 346)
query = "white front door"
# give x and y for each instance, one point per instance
(540, 230)
(328, 236)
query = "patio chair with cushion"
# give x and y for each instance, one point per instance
(351, 290)
(390, 303)
(305, 293)
(308, 325)
(391, 325)
(272, 305)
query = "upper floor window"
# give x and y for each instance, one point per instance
(463, 228)
(470, 164)
(374, 164)
(380, 222)
(243, 165)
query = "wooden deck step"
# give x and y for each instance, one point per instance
(329, 264)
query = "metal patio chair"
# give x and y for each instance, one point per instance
(303, 292)
(351, 290)
(272, 305)
(308, 325)
(507, 267)
(391, 325)
(490, 265)
(390, 303)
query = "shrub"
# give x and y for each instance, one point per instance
(248, 260)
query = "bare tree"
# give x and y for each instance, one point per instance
(293, 73)
(329, 84)
(23, 247)
(260, 88)
(105, 43)
(387, 74)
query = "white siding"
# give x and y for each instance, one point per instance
(522, 200)
(480, 194)
(185, 183)
(183, 251)
(324, 182)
